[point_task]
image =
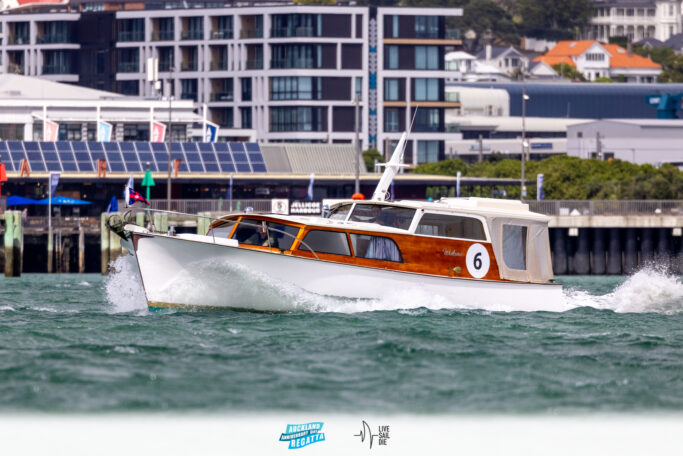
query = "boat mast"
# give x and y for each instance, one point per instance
(390, 170)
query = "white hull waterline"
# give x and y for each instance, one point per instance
(193, 271)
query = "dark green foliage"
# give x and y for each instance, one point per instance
(568, 177)
(569, 72)
(672, 64)
(555, 19)
(369, 157)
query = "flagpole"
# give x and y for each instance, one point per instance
(204, 121)
(49, 221)
(44, 122)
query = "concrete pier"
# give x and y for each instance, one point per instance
(614, 256)
(582, 255)
(647, 246)
(598, 255)
(630, 251)
(559, 250)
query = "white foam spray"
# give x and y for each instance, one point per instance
(221, 284)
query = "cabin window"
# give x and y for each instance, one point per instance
(340, 212)
(282, 236)
(451, 226)
(375, 248)
(251, 232)
(514, 246)
(397, 217)
(222, 231)
(332, 242)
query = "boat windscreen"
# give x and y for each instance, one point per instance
(397, 217)
(340, 212)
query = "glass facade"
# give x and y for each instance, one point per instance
(426, 26)
(426, 89)
(291, 25)
(426, 57)
(298, 118)
(296, 56)
(428, 119)
(295, 88)
(391, 58)
(391, 119)
(427, 151)
(391, 92)
(131, 30)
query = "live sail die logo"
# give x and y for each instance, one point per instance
(301, 435)
(365, 434)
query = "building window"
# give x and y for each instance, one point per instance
(223, 28)
(188, 89)
(296, 25)
(394, 26)
(427, 151)
(359, 87)
(165, 58)
(391, 92)
(165, 31)
(391, 57)
(595, 57)
(129, 60)
(426, 26)
(296, 56)
(426, 57)
(194, 29)
(131, 30)
(246, 89)
(428, 119)
(426, 89)
(246, 117)
(391, 119)
(298, 118)
(129, 87)
(295, 88)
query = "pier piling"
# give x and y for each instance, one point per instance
(104, 244)
(559, 251)
(81, 249)
(614, 251)
(582, 255)
(114, 246)
(599, 263)
(647, 247)
(664, 246)
(12, 238)
(631, 251)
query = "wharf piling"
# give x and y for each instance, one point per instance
(104, 244)
(13, 240)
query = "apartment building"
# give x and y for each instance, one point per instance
(289, 72)
(635, 19)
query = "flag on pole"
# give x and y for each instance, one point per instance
(51, 131)
(539, 187)
(309, 197)
(457, 185)
(210, 132)
(54, 181)
(134, 197)
(127, 188)
(158, 132)
(104, 130)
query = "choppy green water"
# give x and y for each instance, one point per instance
(87, 343)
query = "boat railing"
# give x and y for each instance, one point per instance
(213, 219)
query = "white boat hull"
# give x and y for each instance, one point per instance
(180, 272)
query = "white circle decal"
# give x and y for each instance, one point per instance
(477, 261)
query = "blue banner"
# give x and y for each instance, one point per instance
(104, 130)
(211, 132)
(54, 181)
(539, 187)
(457, 185)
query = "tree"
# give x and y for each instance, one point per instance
(672, 64)
(569, 72)
(369, 157)
(555, 19)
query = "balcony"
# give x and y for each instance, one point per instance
(129, 67)
(57, 69)
(192, 35)
(165, 65)
(188, 96)
(254, 64)
(292, 63)
(163, 35)
(222, 96)
(251, 33)
(53, 38)
(452, 34)
(15, 68)
(137, 35)
(18, 39)
(289, 32)
(221, 34)
(188, 66)
(220, 65)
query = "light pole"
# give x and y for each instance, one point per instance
(357, 154)
(525, 98)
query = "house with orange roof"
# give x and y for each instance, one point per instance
(595, 60)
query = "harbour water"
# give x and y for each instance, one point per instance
(87, 343)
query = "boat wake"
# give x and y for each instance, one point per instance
(648, 290)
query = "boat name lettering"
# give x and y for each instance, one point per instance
(450, 252)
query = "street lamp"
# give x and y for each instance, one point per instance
(525, 144)
(168, 136)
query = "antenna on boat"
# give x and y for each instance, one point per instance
(392, 166)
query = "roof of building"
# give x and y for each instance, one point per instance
(14, 86)
(622, 59)
(459, 55)
(650, 42)
(675, 41)
(309, 158)
(570, 48)
(497, 51)
(552, 60)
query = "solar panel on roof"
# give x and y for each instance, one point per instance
(5, 157)
(193, 158)
(79, 146)
(146, 157)
(177, 153)
(259, 167)
(224, 157)
(16, 151)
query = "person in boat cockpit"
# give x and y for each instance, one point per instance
(381, 217)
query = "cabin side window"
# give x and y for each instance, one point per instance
(397, 217)
(282, 236)
(222, 231)
(250, 232)
(375, 248)
(253, 232)
(333, 242)
(340, 212)
(451, 226)
(514, 246)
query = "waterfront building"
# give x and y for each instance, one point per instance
(595, 60)
(634, 19)
(506, 58)
(288, 72)
(653, 141)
